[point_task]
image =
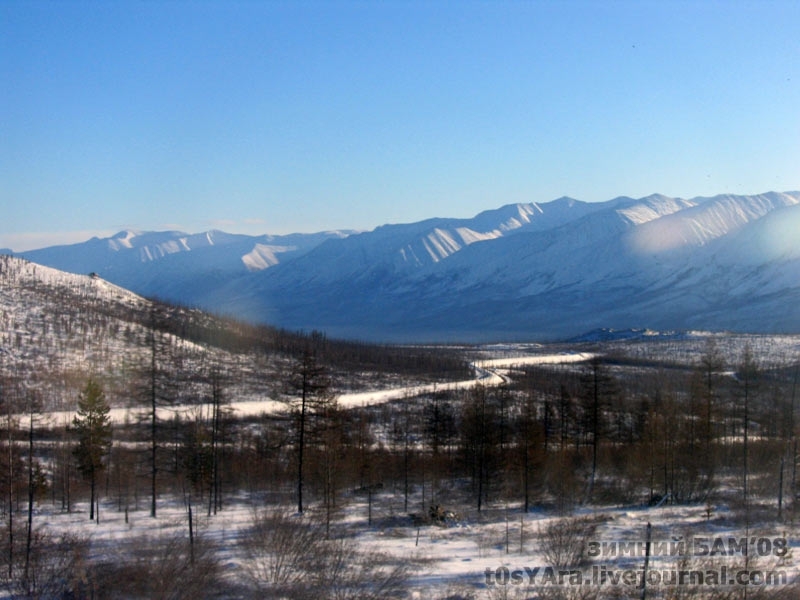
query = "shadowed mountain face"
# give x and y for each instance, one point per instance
(518, 272)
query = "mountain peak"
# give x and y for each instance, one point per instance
(126, 234)
(123, 239)
(569, 201)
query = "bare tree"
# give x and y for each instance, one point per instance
(563, 541)
(599, 388)
(311, 381)
(162, 568)
(478, 427)
(747, 376)
(11, 470)
(55, 567)
(160, 375)
(289, 557)
(217, 414)
(281, 548)
(711, 364)
(153, 397)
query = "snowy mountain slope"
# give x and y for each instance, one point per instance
(136, 247)
(47, 316)
(657, 261)
(58, 328)
(397, 250)
(525, 270)
(709, 219)
(176, 265)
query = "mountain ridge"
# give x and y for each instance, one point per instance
(544, 270)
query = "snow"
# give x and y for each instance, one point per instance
(469, 557)
(123, 239)
(440, 244)
(538, 359)
(470, 237)
(263, 256)
(653, 208)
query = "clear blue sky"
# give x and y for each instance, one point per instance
(275, 117)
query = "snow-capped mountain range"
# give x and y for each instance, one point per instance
(174, 265)
(522, 271)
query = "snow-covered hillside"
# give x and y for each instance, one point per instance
(46, 317)
(546, 270)
(57, 329)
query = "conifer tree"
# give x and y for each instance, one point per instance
(93, 427)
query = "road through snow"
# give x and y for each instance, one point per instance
(486, 373)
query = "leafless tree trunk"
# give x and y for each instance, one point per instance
(311, 381)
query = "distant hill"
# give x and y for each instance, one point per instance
(174, 264)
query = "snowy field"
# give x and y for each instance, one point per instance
(500, 552)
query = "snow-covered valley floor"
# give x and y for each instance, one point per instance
(499, 552)
(590, 551)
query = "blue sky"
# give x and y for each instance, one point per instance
(276, 117)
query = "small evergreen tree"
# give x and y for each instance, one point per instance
(93, 427)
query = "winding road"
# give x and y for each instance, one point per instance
(487, 373)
